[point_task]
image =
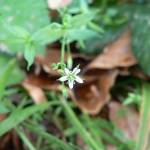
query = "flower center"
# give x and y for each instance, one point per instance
(71, 77)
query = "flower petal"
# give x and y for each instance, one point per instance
(78, 79)
(67, 71)
(62, 79)
(70, 83)
(76, 70)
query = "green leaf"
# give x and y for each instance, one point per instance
(19, 115)
(25, 139)
(51, 139)
(9, 70)
(48, 34)
(31, 15)
(141, 36)
(29, 53)
(15, 37)
(17, 31)
(5, 75)
(82, 19)
(80, 34)
(144, 130)
(3, 109)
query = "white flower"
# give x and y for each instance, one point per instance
(71, 77)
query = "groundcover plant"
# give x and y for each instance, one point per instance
(74, 75)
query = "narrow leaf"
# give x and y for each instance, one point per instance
(51, 139)
(144, 130)
(19, 115)
(29, 54)
(6, 75)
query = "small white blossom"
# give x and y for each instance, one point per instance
(71, 77)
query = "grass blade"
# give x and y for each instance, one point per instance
(144, 129)
(79, 128)
(19, 115)
(5, 75)
(24, 138)
(50, 138)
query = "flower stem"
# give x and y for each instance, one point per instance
(63, 51)
(69, 59)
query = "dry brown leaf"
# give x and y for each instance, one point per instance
(35, 84)
(116, 54)
(45, 62)
(35, 92)
(93, 95)
(125, 118)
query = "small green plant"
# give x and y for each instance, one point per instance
(81, 24)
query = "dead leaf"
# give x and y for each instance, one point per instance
(45, 62)
(35, 84)
(116, 54)
(125, 118)
(93, 95)
(35, 92)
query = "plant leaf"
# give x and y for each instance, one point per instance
(28, 14)
(48, 34)
(51, 139)
(141, 37)
(5, 75)
(3, 109)
(29, 54)
(19, 115)
(82, 19)
(144, 130)
(80, 34)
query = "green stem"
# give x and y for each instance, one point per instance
(63, 51)
(69, 59)
(80, 129)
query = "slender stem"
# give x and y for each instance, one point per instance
(84, 134)
(63, 51)
(69, 59)
(81, 130)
